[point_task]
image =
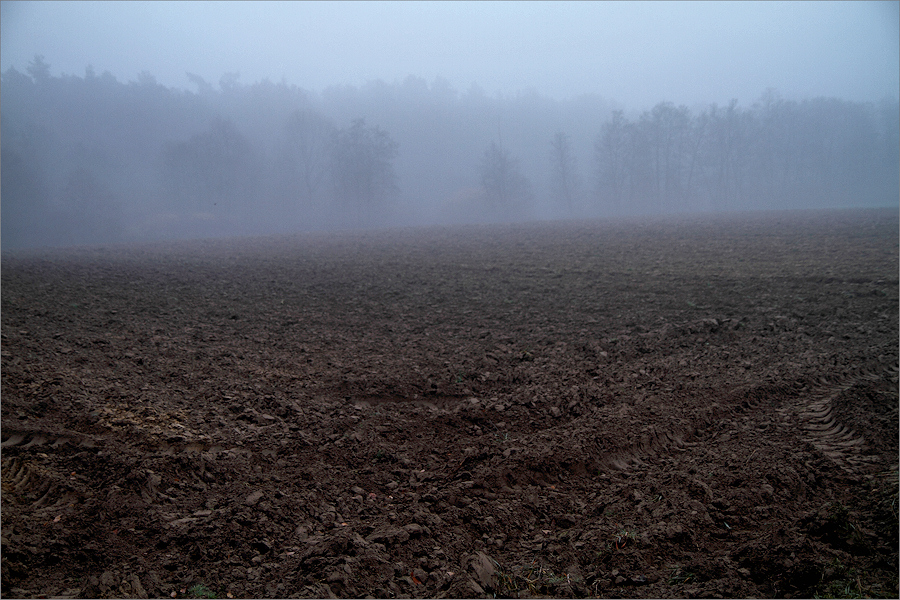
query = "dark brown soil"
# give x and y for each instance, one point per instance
(673, 408)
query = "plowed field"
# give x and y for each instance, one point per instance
(669, 408)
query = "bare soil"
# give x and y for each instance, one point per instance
(703, 407)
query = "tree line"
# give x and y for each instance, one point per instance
(94, 160)
(819, 152)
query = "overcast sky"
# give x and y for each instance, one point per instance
(632, 52)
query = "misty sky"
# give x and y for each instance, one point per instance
(634, 53)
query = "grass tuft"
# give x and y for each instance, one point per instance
(840, 581)
(201, 591)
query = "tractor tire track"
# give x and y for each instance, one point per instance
(809, 412)
(821, 421)
(28, 482)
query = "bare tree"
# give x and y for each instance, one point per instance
(611, 149)
(216, 169)
(362, 167)
(728, 128)
(502, 178)
(669, 129)
(307, 146)
(564, 179)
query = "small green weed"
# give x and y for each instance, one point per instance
(536, 578)
(679, 576)
(603, 552)
(838, 521)
(890, 488)
(840, 581)
(624, 537)
(558, 579)
(201, 591)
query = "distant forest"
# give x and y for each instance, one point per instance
(92, 160)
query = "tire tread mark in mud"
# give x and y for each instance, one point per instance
(677, 437)
(24, 438)
(653, 444)
(818, 419)
(26, 482)
(824, 430)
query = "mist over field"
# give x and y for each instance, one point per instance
(403, 134)
(449, 299)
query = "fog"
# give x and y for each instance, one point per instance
(126, 122)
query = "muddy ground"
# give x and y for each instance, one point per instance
(688, 407)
